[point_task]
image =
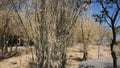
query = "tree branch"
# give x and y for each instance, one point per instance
(105, 11)
(116, 1)
(107, 22)
(116, 14)
(113, 13)
(117, 20)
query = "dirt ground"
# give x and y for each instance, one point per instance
(21, 61)
(74, 57)
(74, 54)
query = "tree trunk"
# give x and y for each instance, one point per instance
(113, 54)
(43, 38)
(85, 54)
(5, 45)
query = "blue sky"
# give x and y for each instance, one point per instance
(95, 9)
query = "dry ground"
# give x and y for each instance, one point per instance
(74, 57)
(18, 61)
(74, 54)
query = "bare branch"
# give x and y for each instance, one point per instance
(107, 22)
(115, 16)
(117, 20)
(116, 1)
(105, 11)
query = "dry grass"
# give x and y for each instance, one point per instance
(74, 56)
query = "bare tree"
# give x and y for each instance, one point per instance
(111, 18)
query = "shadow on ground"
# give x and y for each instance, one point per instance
(100, 63)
